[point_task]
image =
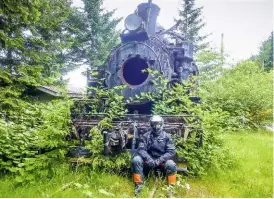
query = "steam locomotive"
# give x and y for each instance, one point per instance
(144, 45)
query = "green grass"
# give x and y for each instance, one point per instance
(251, 176)
(83, 183)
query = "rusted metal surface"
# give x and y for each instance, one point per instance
(154, 51)
(173, 123)
(127, 130)
(144, 45)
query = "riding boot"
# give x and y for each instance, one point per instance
(138, 188)
(138, 183)
(171, 182)
(137, 170)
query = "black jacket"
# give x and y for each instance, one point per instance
(161, 147)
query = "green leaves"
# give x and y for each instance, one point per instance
(105, 100)
(265, 55)
(32, 141)
(112, 163)
(30, 40)
(244, 93)
(206, 122)
(94, 34)
(192, 24)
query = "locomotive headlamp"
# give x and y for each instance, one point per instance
(133, 22)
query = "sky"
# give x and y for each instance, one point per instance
(244, 23)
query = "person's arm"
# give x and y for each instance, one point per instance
(170, 151)
(142, 149)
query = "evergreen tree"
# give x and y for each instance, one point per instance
(265, 55)
(30, 43)
(95, 34)
(30, 34)
(191, 24)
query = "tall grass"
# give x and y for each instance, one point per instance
(70, 183)
(251, 176)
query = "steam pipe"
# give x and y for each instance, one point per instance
(172, 28)
(148, 13)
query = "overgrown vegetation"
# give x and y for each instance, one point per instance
(38, 43)
(167, 99)
(250, 177)
(209, 119)
(31, 133)
(33, 139)
(112, 104)
(43, 38)
(204, 124)
(244, 93)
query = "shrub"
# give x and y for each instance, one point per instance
(172, 100)
(113, 106)
(206, 123)
(33, 139)
(245, 92)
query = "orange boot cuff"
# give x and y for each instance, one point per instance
(171, 179)
(137, 178)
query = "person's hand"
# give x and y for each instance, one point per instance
(150, 163)
(157, 162)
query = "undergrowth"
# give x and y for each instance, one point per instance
(252, 174)
(32, 139)
(250, 177)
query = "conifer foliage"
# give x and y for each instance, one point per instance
(39, 40)
(29, 32)
(30, 44)
(265, 55)
(31, 41)
(94, 32)
(192, 24)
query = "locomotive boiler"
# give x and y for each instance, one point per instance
(145, 44)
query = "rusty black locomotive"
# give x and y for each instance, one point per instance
(144, 45)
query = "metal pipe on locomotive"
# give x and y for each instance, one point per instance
(144, 45)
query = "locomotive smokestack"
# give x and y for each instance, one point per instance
(149, 13)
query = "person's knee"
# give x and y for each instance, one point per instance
(170, 167)
(137, 160)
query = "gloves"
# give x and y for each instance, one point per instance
(150, 163)
(157, 162)
(153, 163)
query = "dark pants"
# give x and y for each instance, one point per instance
(138, 166)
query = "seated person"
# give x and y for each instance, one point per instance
(155, 151)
